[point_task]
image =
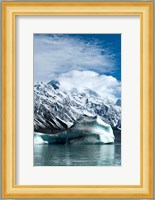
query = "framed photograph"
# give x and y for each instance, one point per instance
(77, 105)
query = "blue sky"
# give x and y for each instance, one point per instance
(110, 44)
(68, 57)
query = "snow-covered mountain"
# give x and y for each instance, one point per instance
(57, 109)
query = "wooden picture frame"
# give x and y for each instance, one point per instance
(9, 12)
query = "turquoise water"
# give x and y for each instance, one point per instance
(77, 155)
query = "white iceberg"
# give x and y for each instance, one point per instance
(87, 130)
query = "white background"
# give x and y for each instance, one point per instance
(129, 172)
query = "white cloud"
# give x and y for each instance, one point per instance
(56, 54)
(106, 86)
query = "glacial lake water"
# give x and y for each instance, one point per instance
(77, 155)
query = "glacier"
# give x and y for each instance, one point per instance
(86, 130)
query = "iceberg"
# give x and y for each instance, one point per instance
(86, 130)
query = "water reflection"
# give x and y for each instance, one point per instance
(77, 155)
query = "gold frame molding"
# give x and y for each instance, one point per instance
(9, 12)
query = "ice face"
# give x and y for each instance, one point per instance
(38, 139)
(96, 128)
(88, 130)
